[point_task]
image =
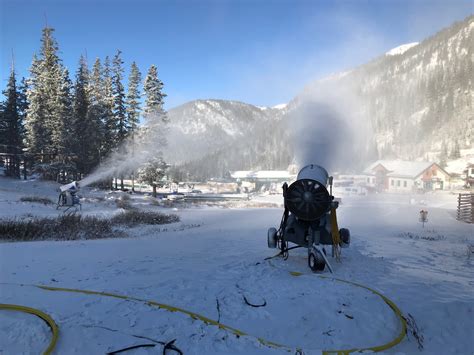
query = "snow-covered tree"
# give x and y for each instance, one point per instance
(62, 117)
(48, 111)
(443, 156)
(133, 97)
(11, 125)
(133, 105)
(153, 87)
(120, 112)
(38, 132)
(456, 152)
(80, 128)
(97, 112)
(152, 172)
(109, 136)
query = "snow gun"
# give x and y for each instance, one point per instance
(309, 219)
(68, 196)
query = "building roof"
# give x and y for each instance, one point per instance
(262, 174)
(400, 168)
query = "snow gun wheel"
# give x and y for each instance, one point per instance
(272, 238)
(316, 261)
(345, 235)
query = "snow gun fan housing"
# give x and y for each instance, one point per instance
(309, 219)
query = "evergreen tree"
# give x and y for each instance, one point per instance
(443, 155)
(109, 136)
(38, 133)
(97, 110)
(63, 116)
(49, 108)
(120, 112)
(154, 113)
(133, 105)
(23, 103)
(153, 87)
(152, 172)
(456, 152)
(133, 97)
(12, 125)
(80, 139)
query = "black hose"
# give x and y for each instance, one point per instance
(132, 347)
(255, 305)
(170, 346)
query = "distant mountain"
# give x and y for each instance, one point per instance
(418, 98)
(412, 102)
(201, 127)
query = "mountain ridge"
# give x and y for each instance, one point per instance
(415, 104)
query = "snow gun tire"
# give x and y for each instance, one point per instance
(316, 262)
(45, 317)
(272, 238)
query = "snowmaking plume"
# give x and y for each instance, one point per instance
(326, 128)
(145, 145)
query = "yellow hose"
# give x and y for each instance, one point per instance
(209, 321)
(43, 316)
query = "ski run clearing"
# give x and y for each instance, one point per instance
(212, 262)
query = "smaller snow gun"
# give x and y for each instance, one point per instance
(68, 196)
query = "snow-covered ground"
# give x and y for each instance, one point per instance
(214, 257)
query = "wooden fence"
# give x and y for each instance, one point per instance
(466, 208)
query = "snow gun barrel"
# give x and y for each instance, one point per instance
(308, 198)
(74, 186)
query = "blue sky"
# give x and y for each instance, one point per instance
(262, 52)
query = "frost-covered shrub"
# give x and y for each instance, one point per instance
(430, 235)
(38, 199)
(74, 227)
(124, 204)
(135, 217)
(66, 227)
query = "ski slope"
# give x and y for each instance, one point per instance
(214, 257)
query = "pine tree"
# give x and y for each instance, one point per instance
(120, 112)
(109, 136)
(38, 132)
(443, 156)
(152, 172)
(456, 152)
(23, 103)
(133, 105)
(97, 110)
(49, 108)
(12, 125)
(153, 87)
(154, 113)
(133, 97)
(80, 128)
(63, 116)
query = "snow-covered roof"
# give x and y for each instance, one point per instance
(400, 168)
(262, 174)
(401, 49)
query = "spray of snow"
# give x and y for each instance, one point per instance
(327, 129)
(138, 149)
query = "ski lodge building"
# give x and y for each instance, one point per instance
(406, 176)
(262, 177)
